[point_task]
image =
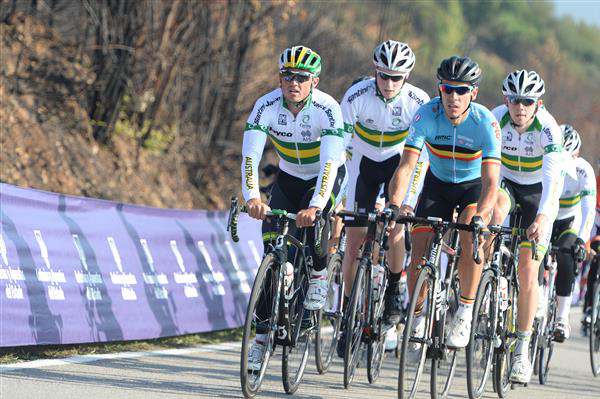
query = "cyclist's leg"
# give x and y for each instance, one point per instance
(317, 290)
(565, 277)
(504, 206)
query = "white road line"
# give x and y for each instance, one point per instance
(121, 355)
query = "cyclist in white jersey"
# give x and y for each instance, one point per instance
(305, 126)
(532, 176)
(572, 227)
(378, 112)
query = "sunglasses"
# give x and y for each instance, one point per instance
(521, 100)
(460, 90)
(385, 76)
(299, 77)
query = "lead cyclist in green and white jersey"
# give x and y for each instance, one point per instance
(305, 126)
(572, 227)
(378, 113)
(532, 176)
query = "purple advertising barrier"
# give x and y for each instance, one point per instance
(75, 270)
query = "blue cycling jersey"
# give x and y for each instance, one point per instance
(456, 153)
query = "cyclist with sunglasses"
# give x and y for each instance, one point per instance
(532, 176)
(463, 142)
(572, 227)
(377, 112)
(305, 126)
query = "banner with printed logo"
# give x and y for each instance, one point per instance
(75, 270)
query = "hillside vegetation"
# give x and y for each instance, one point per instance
(145, 101)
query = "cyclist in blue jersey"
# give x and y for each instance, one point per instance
(463, 141)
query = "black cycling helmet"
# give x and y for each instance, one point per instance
(460, 69)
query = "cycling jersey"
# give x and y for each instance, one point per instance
(456, 153)
(578, 195)
(380, 125)
(533, 156)
(309, 145)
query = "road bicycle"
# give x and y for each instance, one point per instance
(281, 291)
(441, 300)
(364, 322)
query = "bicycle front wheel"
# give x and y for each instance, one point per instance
(376, 344)
(415, 341)
(503, 358)
(330, 317)
(264, 297)
(481, 344)
(594, 332)
(355, 323)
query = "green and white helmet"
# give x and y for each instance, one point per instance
(395, 56)
(523, 83)
(300, 57)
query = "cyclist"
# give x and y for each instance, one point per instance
(378, 112)
(463, 141)
(532, 176)
(572, 227)
(305, 126)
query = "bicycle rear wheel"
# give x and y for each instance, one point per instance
(414, 346)
(481, 344)
(330, 317)
(594, 332)
(355, 322)
(294, 358)
(265, 293)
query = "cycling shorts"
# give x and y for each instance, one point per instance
(439, 198)
(365, 179)
(561, 228)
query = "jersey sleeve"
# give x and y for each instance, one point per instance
(588, 196)
(552, 170)
(416, 132)
(331, 153)
(255, 138)
(350, 115)
(491, 143)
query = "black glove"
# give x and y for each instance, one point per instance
(395, 211)
(579, 250)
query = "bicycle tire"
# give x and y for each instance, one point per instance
(407, 389)
(546, 344)
(355, 323)
(503, 357)
(376, 345)
(594, 332)
(330, 317)
(294, 358)
(442, 370)
(251, 382)
(482, 335)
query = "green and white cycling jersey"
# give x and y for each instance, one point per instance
(533, 156)
(309, 145)
(578, 198)
(379, 126)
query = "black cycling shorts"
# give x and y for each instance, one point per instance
(439, 198)
(528, 196)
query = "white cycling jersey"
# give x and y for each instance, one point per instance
(380, 126)
(533, 156)
(309, 145)
(578, 198)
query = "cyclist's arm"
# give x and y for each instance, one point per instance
(349, 114)
(255, 138)
(490, 174)
(552, 171)
(331, 156)
(588, 196)
(416, 182)
(401, 178)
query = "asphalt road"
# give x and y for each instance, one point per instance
(213, 372)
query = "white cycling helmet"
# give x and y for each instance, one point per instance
(394, 56)
(571, 139)
(523, 83)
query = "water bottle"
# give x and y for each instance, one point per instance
(378, 272)
(288, 280)
(503, 292)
